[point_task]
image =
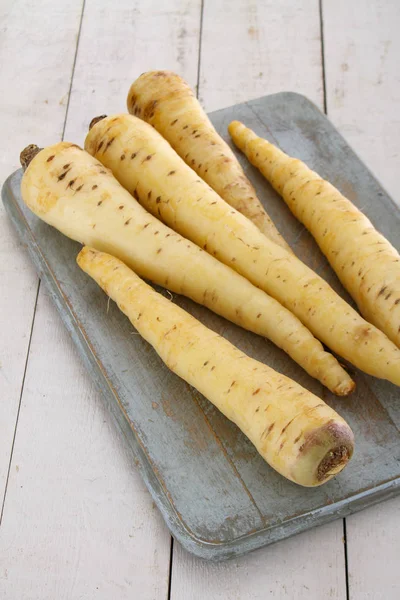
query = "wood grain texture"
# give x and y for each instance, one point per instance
(362, 49)
(256, 59)
(78, 520)
(251, 48)
(306, 566)
(115, 48)
(42, 35)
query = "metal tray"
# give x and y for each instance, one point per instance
(216, 494)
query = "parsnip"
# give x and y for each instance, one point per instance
(165, 100)
(69, 189)
(151, 170)
(295, 432)
(363, 259)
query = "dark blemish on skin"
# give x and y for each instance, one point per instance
(158, 199)
(212, 368)
(259, 315)
(147, 224)
(100, 145)
(194, 131)
(192, 161)
(149, 195)
(61, 177)
(100, 202)
(148, 157)
(206, 363)
(102, 172)
(127, 222)
(382, 291)
(66, 166)
(109, 144)
(159, 250)
(172, 173)
(94, 187)
(397, 301)
(173, 122)
(71, 183)
(133, 155)
(121, 206)
(122, 156)
(213, 203)
(78, 189)
(186, 126)
(50, 158)
(197, 136)
(205, 247)
(156, 232)
(256, 392)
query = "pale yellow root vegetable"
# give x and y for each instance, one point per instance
(69, 189)
(165, 100)
(150, 169)
(295, 432)
(363, 259)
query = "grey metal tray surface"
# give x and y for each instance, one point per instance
(217, 495)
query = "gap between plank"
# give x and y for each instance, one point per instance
(39, 284)
(346, 559)
(73, 70)
(19, 402)
(321, 22)
(200, 40)
(321, 25)
(171, 555)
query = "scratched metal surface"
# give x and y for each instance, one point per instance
(218, 497)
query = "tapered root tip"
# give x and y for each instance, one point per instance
(96, 120)
(28, 154)
(240, 134)
(345, 388)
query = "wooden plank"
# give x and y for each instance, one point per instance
(251, 48)
(37, 51)
(304, 567)
(115, 49)
(362, 47)
(78, 521)
(254, 59)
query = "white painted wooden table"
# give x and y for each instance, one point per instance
(76, 520)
